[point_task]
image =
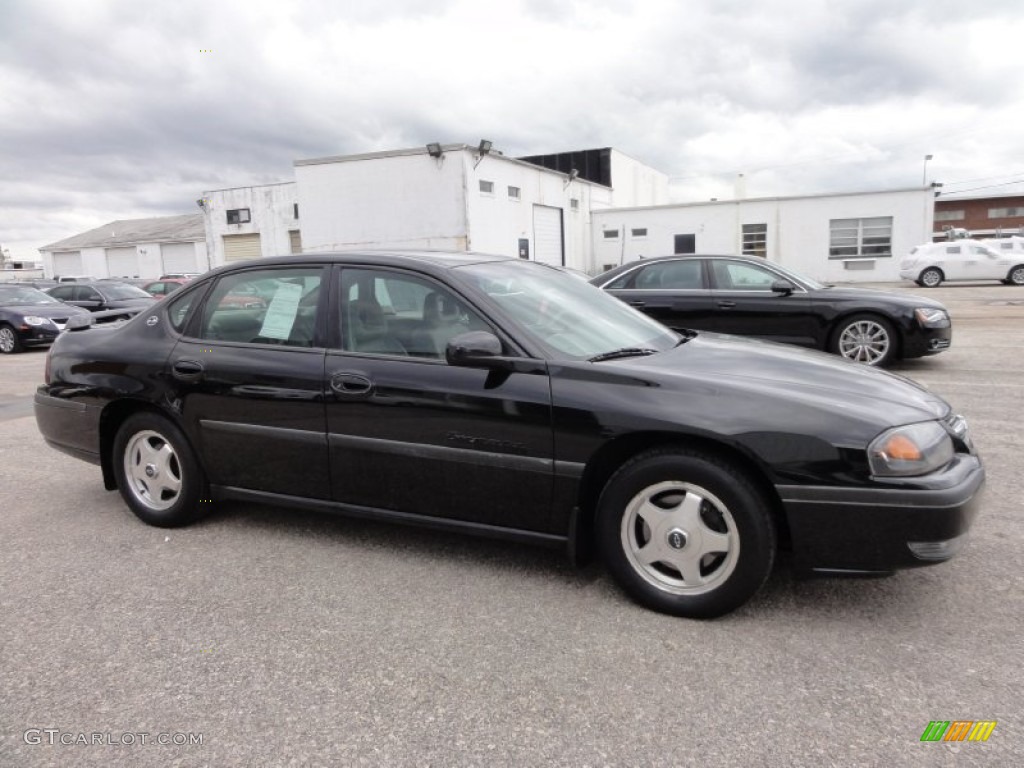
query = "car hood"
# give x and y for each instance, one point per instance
(751, 377)
(868, 295)
(46, 310)
(136, 302)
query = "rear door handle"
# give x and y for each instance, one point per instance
(726, 304)
(187, 370)
(351, 385)
(637, 304)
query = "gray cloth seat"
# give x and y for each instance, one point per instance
(442, 319)
(369, 330)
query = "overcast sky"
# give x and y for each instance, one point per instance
(131, 108)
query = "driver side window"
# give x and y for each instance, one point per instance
(392, 313)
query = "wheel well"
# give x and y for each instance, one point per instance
(613, 455)
(114, 415)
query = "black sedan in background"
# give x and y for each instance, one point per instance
(509, 399)
(102, 295)
(753, 297)
(28, 317)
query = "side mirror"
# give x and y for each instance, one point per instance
(783, 286)
(474, 349)
(78, 322)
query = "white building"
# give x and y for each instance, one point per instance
(834, 238)
(131, 248)
(453, 197)
(250, 222)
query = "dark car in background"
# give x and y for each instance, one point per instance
(102, 295)
(753, 297)
(509, 399)
(28, 317)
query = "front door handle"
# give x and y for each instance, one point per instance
(726, 304)
(351, 385)
(637, 304)
(187, 370)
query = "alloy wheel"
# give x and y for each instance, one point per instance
(865, 341)
(152, 470)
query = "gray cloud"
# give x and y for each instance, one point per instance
(115, 109)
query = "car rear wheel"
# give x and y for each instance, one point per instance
(9, 341)
(685, 533)
(931, 278)
(1016, 275)
(865, 339)
(157, 473)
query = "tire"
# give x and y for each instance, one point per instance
(1016, 275)
(685, 533)
(9, 341)
(864, 338)
(157, 472)
(931, 278)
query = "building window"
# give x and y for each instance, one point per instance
(1004, 213)
(487, 187)
(611, 234)
(755, 240)
(638, 232)
(295, 210)
(949, 215)
(239, 216)
(857, 238)
(574, 204)
(513, 193)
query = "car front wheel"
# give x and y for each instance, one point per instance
(930, 278)
(685, 533)
(9, 341)
(865, 339)
(1016, 275)
(157, 473)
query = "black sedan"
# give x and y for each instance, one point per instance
(102, 295)
(28, 318)
(509, 399)
(753, 297)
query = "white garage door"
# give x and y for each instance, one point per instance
(122, 262)
(240, 247)
(67, 263)
(547, 235)
(178, 257)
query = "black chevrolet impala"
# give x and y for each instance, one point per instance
(505, 398)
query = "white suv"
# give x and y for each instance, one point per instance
(931, 264)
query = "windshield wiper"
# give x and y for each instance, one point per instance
(624, 352)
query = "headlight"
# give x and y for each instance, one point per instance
(33, 320)
(916, 449)
(932, 318)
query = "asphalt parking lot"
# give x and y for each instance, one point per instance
(278, 637)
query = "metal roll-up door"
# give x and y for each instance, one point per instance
(241, 247)
(547, 235)
(178, 257)
(122, 262)
(67, 263)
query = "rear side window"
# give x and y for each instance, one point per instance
(264, 306)
(177, 312)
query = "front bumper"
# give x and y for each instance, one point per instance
(919, 521)
(35, 335)
(910, 273)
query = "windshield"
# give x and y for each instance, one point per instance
(122, 291)
(11, 296)
(799, 279)
(567, 316)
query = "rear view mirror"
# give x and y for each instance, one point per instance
(474, 349)
(783, 286)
